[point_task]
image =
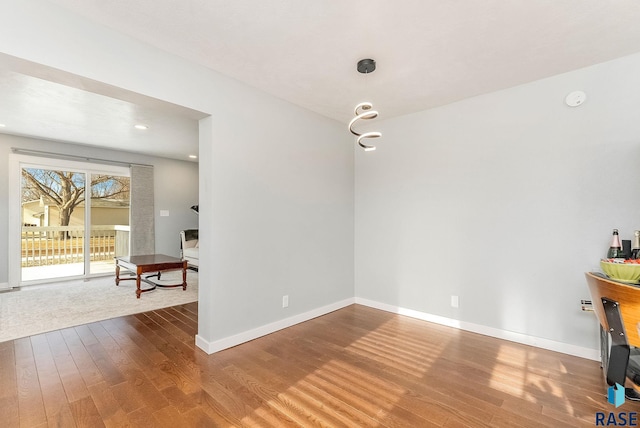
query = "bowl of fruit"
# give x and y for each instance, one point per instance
(622, 270)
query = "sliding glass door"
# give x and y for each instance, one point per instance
(110, 212)
(73, 219)
(53, 223)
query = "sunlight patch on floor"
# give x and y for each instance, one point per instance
(353, 390)
(513, 374)
(504, 367)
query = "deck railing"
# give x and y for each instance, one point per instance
(52, 245)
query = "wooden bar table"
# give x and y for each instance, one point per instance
(617, 306)
(158, 263)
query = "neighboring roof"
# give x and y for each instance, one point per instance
(109, 203)
(95, 203)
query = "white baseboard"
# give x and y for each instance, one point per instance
(237, 339)
(578, 351)
(4, 286)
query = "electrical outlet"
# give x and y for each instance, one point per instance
(285, 301)
(455, 302)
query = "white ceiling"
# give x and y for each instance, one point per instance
(41, 102)
(428, 52)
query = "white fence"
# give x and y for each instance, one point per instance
(43, 246)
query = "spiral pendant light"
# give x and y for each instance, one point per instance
(363, 110)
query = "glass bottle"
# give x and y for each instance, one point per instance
(635, 245)
(615, 249)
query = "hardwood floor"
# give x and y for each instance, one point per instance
(357, 367)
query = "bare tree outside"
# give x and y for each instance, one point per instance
(66, 190)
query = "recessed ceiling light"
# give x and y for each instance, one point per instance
(141, 126)
(193, 156)
(2, 125)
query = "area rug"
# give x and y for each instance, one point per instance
(39, 309)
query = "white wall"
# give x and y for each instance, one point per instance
(282, 208)
(504, 200)
(276, 181)
(175, 190)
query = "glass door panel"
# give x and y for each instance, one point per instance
(109, 222)
(53, 223)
